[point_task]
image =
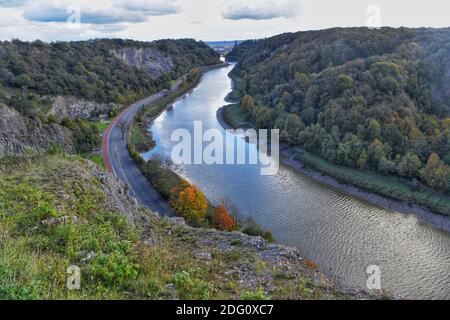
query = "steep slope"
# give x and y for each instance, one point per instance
(19, 134)
(54, 86)
(375, 100)
(60, 211)
(107, 71)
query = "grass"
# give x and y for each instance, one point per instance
(54, 210)
(97, 159)
(390, 187)
(101, 126)
(34, 256)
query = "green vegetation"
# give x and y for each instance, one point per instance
(373, 100)
(32, 74)
(101, 126)
(58, 211)
(92, 69)
(233, 116)
(97, 159)
(391, 187)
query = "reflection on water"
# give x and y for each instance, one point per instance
(342, 234)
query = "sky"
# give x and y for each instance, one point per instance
(207, 20)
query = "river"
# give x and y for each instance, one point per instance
(344, 235)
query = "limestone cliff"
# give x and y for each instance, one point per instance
(67, 106)
(19, 134)
(153, 61)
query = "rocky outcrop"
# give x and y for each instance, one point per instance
(66, 106)
(154, 62)
(19, 134)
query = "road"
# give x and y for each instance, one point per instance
(118, 160)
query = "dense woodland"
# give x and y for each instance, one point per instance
(31, 73)
(372, 99)
(90, 70)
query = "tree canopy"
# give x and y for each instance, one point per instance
(370, 99)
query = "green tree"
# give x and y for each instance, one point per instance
(409, 165)
(248, 106)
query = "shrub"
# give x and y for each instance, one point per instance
(190, 202)
(190, 288)
(114, 268)
(222, 220)
(258, 294)
(253, 229)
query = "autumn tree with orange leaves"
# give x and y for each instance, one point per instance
(222, 220)
(189, 202)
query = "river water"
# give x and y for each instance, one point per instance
(344, 235)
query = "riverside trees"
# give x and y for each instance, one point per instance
(369, 99)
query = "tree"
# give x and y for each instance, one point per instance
(222, 219)
(409, 165)
(248, 105)
(436, 174)
(343, 83)
(293, 127)
(190, 202)
(374, 129)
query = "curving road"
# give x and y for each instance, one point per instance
(118, 160)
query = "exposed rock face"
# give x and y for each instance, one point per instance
(64, 107)
(19, 134)
(150, 60)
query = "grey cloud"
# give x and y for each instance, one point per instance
(263, 10)
(54, 14)
(132, 11)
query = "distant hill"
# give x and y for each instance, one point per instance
(223, 47)
(371, 99)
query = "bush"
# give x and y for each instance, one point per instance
(222, 220)
(189, 202)
(258, 294)
(190, 288)
(114, 268)
(254, 230)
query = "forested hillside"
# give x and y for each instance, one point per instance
(97, 70)
(376, 100)
(53, 84)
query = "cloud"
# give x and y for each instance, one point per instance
(151, 7)
(106, 12)
(12, 3)
(262, 9)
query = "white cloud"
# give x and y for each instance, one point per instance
(204, 19)
(151, 7)
(100, 11)
(12, 3)
(261, 9)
